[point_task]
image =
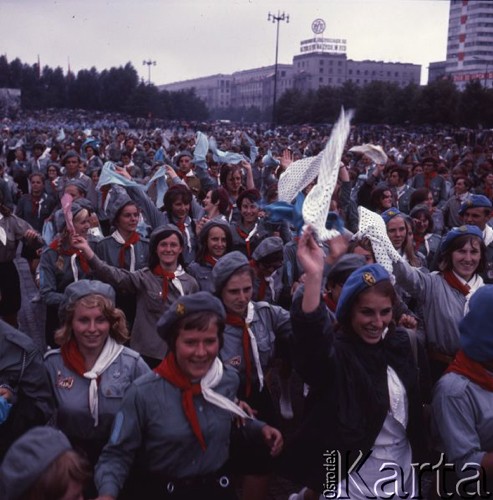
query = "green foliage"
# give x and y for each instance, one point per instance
(113, 90)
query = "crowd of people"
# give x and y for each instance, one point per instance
(187, 307)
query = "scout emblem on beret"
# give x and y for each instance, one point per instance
(462, 229)
(180, 309)
(369, 279)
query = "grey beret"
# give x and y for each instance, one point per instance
(181, 154)
(82, 288)
(268, 246)
(77, 206)
(347, 263)
(119, 199)
(80, 185)
(225, 268)
(156, 235)
(216, 223)
(28, 458)
(186, 305)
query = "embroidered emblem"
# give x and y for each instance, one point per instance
(369, 279)
(64, 382)
(180, 309)
(236, 361)
(462, 229)
(59, 263)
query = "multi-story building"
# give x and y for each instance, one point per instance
(470, 42)
(321, 62)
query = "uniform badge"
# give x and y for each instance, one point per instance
(235, 361)
(59, 263)
(64, 382)
(369, 279)
(180, 309)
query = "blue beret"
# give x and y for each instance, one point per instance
(28, 458)
(363, 278)
(390, 213)
(186, 305)
(475, 201)
(455, 232)
(225, 268)
(476, 327)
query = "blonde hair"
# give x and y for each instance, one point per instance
(116, 317)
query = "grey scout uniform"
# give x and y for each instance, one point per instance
(150, 305)
(269, 324)
(108, 249)
(21, 368)
(72, 395)
(152, 421)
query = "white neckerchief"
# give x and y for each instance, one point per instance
(107, 201)
(3, 234)
(73, 265)
(110, 352)
(270, 282)
(119, 239)
(487, 235)
(474, 283)
(253, 343)
(209, 381)
(397, 397)
(175, 281)
(252, 232)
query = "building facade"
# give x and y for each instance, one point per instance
(470, 42)
(321, 62)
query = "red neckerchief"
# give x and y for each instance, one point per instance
(35, 205)
(262, 287)
(244, 236)
(329, 301)
(210, 259)
(181, 175)
(488, 192)
(104, 193)
(419, 239)
(474, 371)
(429, 177)
(170, 371)
(454, 282)
(72, 357)
(181, 226)
(56, 245)
(167, 276)
(238, 321)
(134, 238)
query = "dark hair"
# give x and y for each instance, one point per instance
(401, 172)
(203, 237)
(196, 321)
(55, 479)
(428, 216)
(225, 170)
(4, 209)
(251, 194)
(221, 195)
(445, 258)
(376, 197)
(37, 174)
(174, 194)
(384, 288)
(153, 258)
(364, 243)
(466, 180)
(418, 196)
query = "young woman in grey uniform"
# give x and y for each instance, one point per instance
(92, 370)
(173, 429)
(215, 240)
(157, 286)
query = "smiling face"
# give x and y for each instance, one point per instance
(233, 181)
(237, 293)
(371, 314)
(195, 350)
(249, 211)
(180, 209)
(216, 242)
(397, 232)
(91, 329)
(168, 250)
(82, 223)
(465, 260)
(478, 216)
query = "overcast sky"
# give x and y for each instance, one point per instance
(192, 38)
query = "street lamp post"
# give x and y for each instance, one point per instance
(149, 63)
(276, 19)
